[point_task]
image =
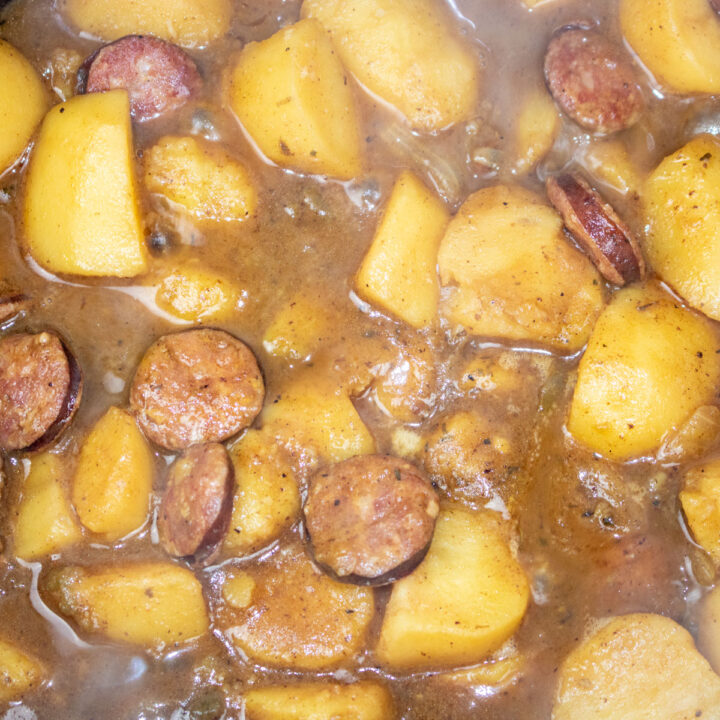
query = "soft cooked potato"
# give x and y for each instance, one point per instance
(628, 670)
(700, 500)
(464, 600)
(201, 178)
(696, 437)
(24, 103)
(156, 605)
(494, 673)
(190, 23)
(267, 499)
(290, 93)
(649, 364)
(114, 477)
(284, 612)
(407, 52)
(320, 701)
(45, 520)
(19, 672)
(709, 628)
(399, 272)
(81, 204)
(678, 40)
(608, 161)
(510, 273)
(682, 209)
(536, 128)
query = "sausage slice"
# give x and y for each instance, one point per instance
(195, 510)
(597, 229)
(196, 386)
(371, 518)
(11, 306)
(158, 76)
(592, 81)
(40, 389)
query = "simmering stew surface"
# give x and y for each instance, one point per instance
(359, 359)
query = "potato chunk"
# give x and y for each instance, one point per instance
(682, 209)
(407, 52)
(709, 628)
(463, 601)
(608, 162)
(45, 520)
(320, 701)
(156, 605)
(114, 477)
(190, 23)
(201, 178)
(678, 41)
(649, 364)
(291, 95)
(23, 106)
(628, 670)
(510, 273)
(399, 272)
(19, 672)
(536, 128)
(700, 500)
(81, 205)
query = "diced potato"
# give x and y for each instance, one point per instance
(45, 520)
(408, 53)
(464, 600)
(201, 178)
(709, 628)
(320, 701)
(267, 499)
(19, 673)
(700, 500)
(699, 434)
(296, 617)
(81, 205)
(678, 41)
(506, 373)
(23, 106)
(536, 128)
(649, 364)
(406, 443)
(190, 23)
(399, 272)
(628, 670)
(156, 605)
(682, 209)
(494, 673)
(114, 477)
(609, 162)
(510, 273)
(290, 93)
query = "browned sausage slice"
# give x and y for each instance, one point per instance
(371, 518)
(12, 305)
(40, 389)
(158, 76)
(592, 81)
(715, 5)
(195, 510)
(196, 386)
(597, 229)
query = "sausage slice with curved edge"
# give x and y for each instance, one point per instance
(598, 230)
(591, 81)
(371, 518)
(40, 389)
(196, 386)
(195, 510)
(158, 76)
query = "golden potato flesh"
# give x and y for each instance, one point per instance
(700, 500)
(406, 52)
(19, 673)
(649, 365)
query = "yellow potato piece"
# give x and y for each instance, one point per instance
(201, 178)
(290, 93)
(45, 520)
(709, 628)
(114, 477)
(81, 205)
(190, 23)
(267, 498)
(157, 605)
(406, 52)
(609, 162)
(24, 103)
(628, 670)
(649, 364)
(700, 500)
(510, 273)
(19, 672)
(678, 41)
(399, 272)
(536, 127)
(320, 701)
(682, 209)
(464, 600)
